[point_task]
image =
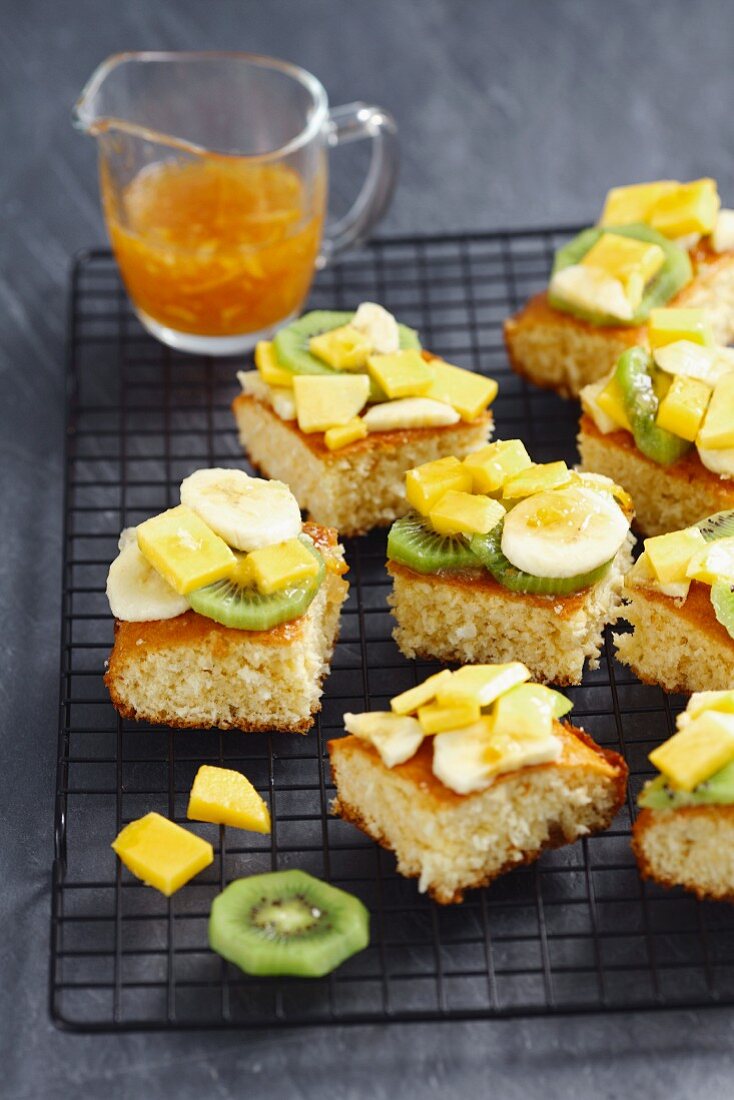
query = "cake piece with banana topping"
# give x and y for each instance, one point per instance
(226, 609)
(471, 774)
(342, 403)
(502, 558)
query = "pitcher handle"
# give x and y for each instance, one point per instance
(354, 122)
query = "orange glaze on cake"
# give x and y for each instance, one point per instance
(696, 609)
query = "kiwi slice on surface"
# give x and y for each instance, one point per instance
(722, 601)
(718, 790)
(672, 277)
(287, 923)
(245, 608)
(291, 342)
(634, 374)
(413, 543)
(488, 548)
(718, 526)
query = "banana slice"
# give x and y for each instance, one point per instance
(379, 326)
(563, 532)
(247, 512)
(409, 412)
(135, 591)
(718, 462)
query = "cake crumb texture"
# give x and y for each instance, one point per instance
(691, 847)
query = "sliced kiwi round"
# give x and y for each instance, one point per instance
(634, 374)
(287, 923)
(657, 794)
(488, 549)
(718, 526)
(722, 601)
(413, 543)
(292, 342)
(245, 608)
(672, 277)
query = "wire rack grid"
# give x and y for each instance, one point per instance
(576, 932)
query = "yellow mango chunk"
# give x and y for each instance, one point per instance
(161, 853)
(491, 466)
(611, 402)
(536, 479)
(458, 513)
(704, 746)
(344, 348)
(634, 263)
(323, 402)
(635, 203)
(666, 326)
(401, 374)
(480, 685)
(409, 701)
(435, 718)
(684, 406)
(184, 550)
(717, 430)
(709, 700)
(344, 434)
(226, 797)
(469, 393)
(669, 555)
(426, 484)
(690, 208)
(274, 567)
(713, 562)
(269, 368)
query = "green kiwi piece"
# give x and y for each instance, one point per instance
(488, 548)
(287, 923)
(718, 790)
(672, 277)
(413, 543)
(722, 601)
(291, 342)
(634, 373)
(244, 608)
(718, 526)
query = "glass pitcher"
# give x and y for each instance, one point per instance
(214, 180)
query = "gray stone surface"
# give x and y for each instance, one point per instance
(511, 113)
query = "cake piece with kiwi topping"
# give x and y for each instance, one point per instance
(656, 244)
(680, 604)
(226, 609)
(471, 774)
(503, 559)
(343, 403)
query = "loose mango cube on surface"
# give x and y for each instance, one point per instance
(713, 562)
(536, 479)
(625, 205)
(458, 513)
(435, 718)
(344, 434)
(401, 374)
(274, 567)
(226, 797)
(717, 430)
(491, 466)
(324, 402)
(426, 484)
(611, 401)
(665, 326)
(684, 406)
(343, 348)
(161, 853)
(669, 555)
(690, 208)
(184, 550)
(469, 393)
(634, 263)
(269, 368)
(702, 748)
(480, 685)
(409, 701)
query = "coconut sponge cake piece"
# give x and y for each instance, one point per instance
(503, 558)
(227, 609)
(464, 791)
(341, 404)
(601, 291)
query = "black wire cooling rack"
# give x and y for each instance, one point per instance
(576, 932)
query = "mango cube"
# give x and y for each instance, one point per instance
(274, 567)
(525, 711)
(713, 562)
(635, 203)
(665, 326)
(690, 208)
(324, 402)
(491, 466)
(684, 406)
(161, 853)
(269, 368)
(611, 401)
(436, 718)
(536, 479)
(457, 513)
(344, 434)
(426, 484)
(401, 374)
(409, 701)
(184, 550)
(344, 348)
(469, 393)
(703, 747)
(226, 797)
(717, 431)
(634, 263)
(481, 684)
(669, 555)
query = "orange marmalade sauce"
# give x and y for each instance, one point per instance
(216, 247)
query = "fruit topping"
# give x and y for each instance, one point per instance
(667, 326)
(268, 367)
(691, 208)
(713, 562)
(629, 262)
(722, 235)
(402, 374)
(343, 434)
(457, 513)
(669, 555)
(683, 408)
(323, 403)
(161, 853)
(438, 717)
(379, 327)
(491, 466)
(247, 512)
(426, 484)
(343, 348)
(634, 203)
(722, 601)
(410, 412)
(137, 592)
(701, 748)
(482, 684)
(717, 431)
(718, 526)
(226, 797)
(183, 549)
(634, 376)
(396, 737)
(692, 360)
(469, 393)
(412, 542)
(275, 567)
(409, 701)
(488, 550)
(538, 478)
(292, 343)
